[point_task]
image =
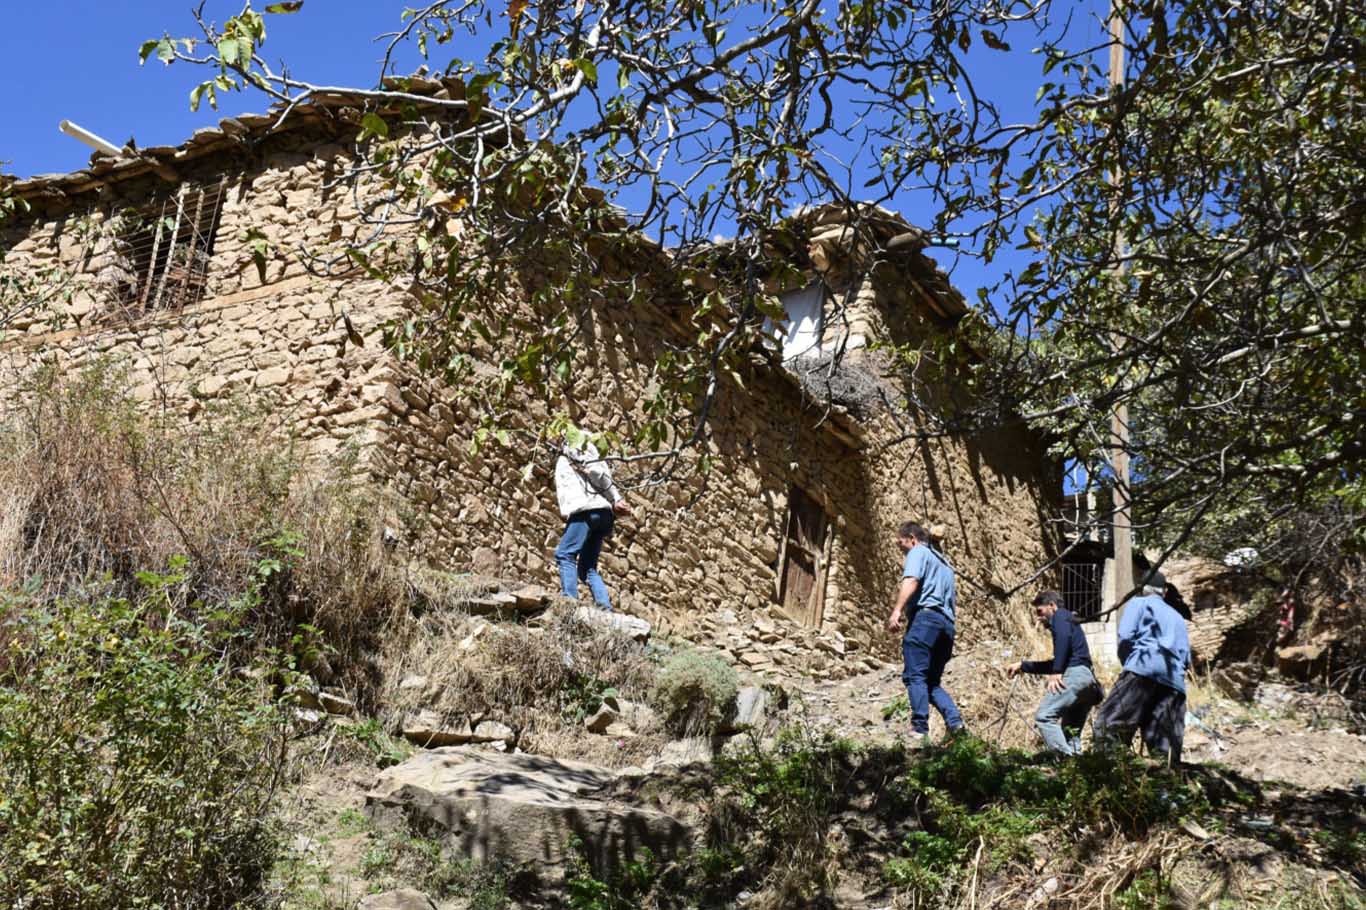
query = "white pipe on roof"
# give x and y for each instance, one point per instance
(89, 138)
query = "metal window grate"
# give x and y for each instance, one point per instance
(159, 255)
(1081, 589)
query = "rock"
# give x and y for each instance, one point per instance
(751, 708)
(638, 717)
(602, 718)
(485, 561)
(631, 626)
(681, 752)
(488, 731)
(402, 899)
(413, 682)
(425, 728)
(521, 809)
(333, 703)
(833, 643)
(306, 696)
(531, 597)
(308, 715)
(1302, 661)
(272, 377)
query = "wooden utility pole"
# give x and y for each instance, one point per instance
(1121, 521)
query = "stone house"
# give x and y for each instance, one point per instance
(193, 276)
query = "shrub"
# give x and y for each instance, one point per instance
(138, 768)
(695, 692)
(769, 823)
(99, 486)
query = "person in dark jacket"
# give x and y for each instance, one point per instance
(1072, 687)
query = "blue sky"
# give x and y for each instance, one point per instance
(77, 59)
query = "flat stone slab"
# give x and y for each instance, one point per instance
(632, 626)
(520, 809)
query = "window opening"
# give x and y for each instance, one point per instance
(1081, 588)
(803, 323)
(162, 251)
(801, 582)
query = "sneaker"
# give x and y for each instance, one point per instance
(917, 743)
(956, 734)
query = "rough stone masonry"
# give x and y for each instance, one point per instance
(782, 553)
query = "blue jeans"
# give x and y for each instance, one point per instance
(1061, 713)
(578, 553)
(926, 650)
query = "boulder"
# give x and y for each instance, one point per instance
(601, 719)
(751, 709)
(402, 899)
(521, 809)
(631, 626)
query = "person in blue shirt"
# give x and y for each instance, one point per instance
(1150, 695)
(1072, 690)
(928, 596)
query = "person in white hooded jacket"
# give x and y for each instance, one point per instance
(589, 503)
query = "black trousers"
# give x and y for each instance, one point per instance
(1139, 703)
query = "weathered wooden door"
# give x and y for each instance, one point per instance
(802, 580)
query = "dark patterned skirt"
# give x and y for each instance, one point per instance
(1139, 703)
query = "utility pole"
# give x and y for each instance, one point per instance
(1122, 518)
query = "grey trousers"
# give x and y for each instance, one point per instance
(1155, 710)
(1062, 715)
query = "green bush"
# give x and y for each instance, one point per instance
(695, 692)
(138, 767)
(770, 818)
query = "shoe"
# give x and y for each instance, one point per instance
(956, 734)
(918, 742)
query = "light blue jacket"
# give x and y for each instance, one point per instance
(1153, 641)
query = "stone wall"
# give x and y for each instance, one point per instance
(701, 558)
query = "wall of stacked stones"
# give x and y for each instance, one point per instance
(993, 494)
(700, 558)
(274, 335)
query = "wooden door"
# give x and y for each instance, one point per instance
(802, 580)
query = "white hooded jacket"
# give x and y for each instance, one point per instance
(583, 481)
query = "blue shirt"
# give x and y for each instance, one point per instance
(936, 588)
(1153, 641)
(1069, 646)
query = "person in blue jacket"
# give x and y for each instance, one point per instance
(1071, 684)
(1150, 695)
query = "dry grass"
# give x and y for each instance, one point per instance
(540, 681)
(100, 489)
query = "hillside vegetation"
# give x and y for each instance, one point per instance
(209, 653)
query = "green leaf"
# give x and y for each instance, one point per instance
(373, 124)
(146, 49)
(230, 49)
(291, 6)
(166, 51)
(196, 94)
(588, 68)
